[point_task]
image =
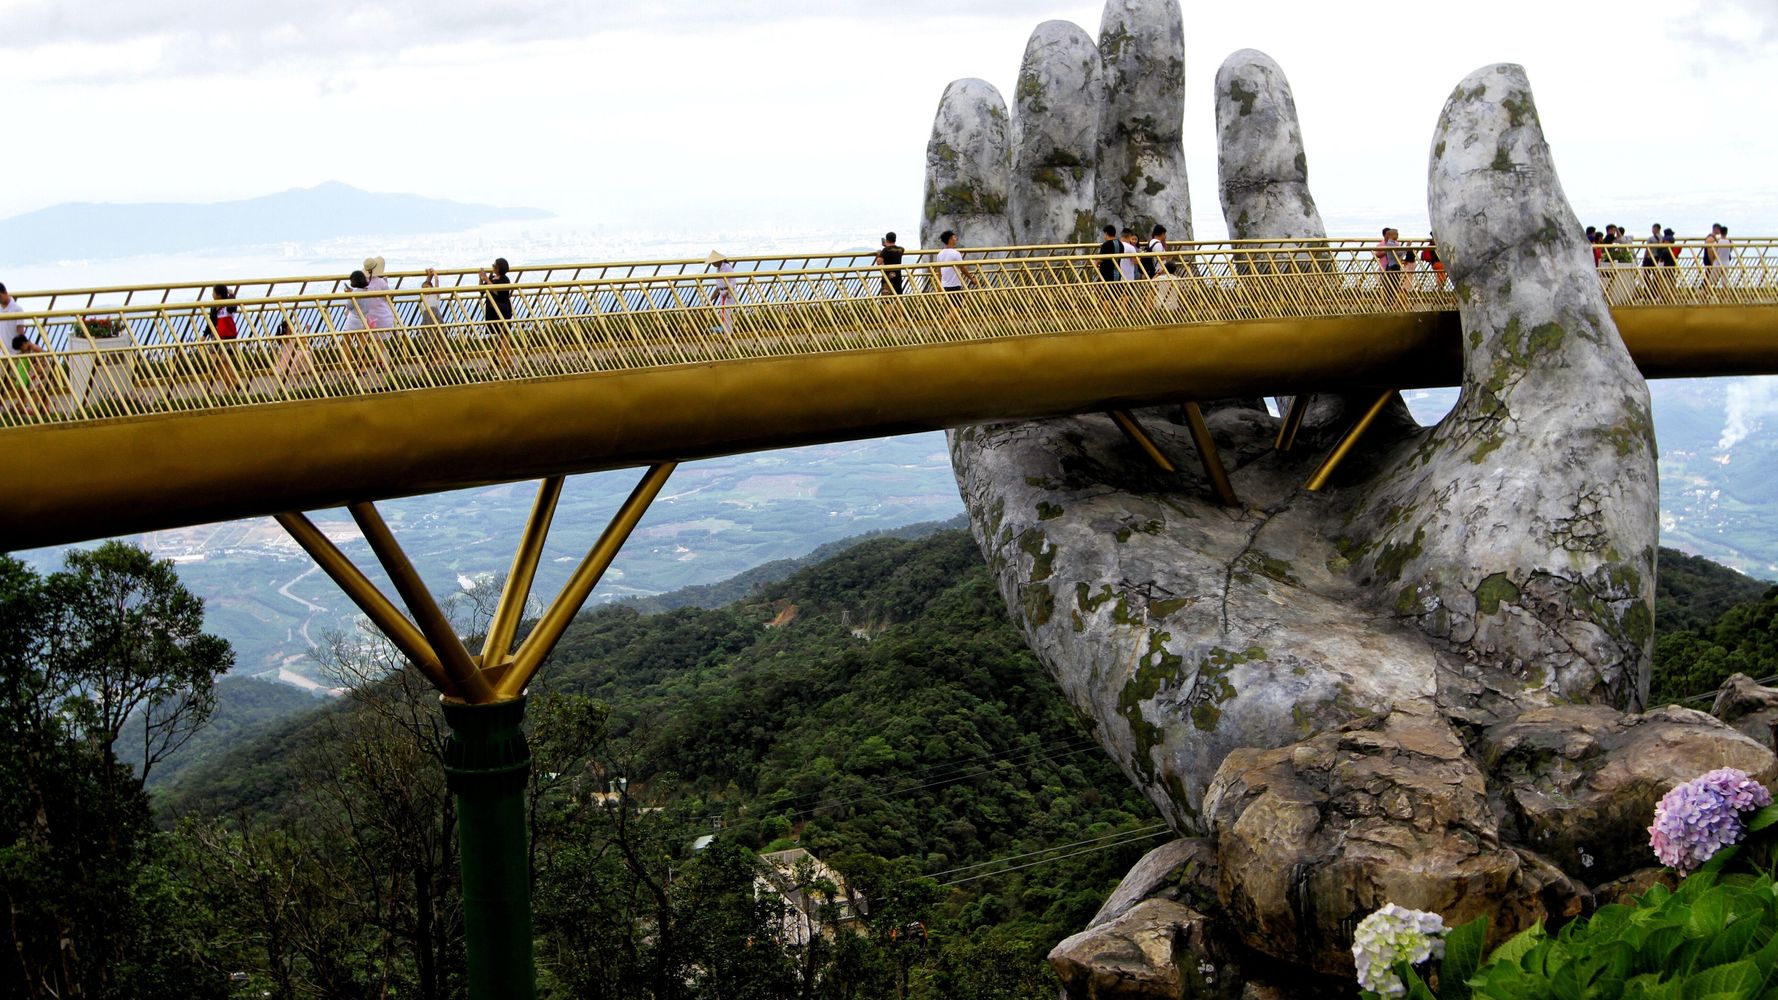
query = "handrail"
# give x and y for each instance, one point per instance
(450, 335)
(193, 291)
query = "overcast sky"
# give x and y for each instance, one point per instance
(815, 113)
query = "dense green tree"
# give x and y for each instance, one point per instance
(1690, 664)
(111, 637)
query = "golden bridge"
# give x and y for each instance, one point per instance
(138, 416)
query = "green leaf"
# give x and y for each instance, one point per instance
(1463, 955)
(1725, 982)
(1660, 944)
(1767, 956)
(1710, 911)
(1417, 989)
(1762, 818)
(1650, 986)
(1731, 943)
(1513, 950)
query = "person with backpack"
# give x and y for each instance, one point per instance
(1157, 244)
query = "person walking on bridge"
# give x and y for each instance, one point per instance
(497, 313)
(887, 259)
(1126, 264)
(1108, 252)
(722, 292)
(1389, 262)
(952, 275)
(222, 327)
(17, 347)
(1157, 244)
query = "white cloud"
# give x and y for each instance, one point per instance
(1749, 402)
(204, 38)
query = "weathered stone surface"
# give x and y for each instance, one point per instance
(1157, 950)
(1314, 836)
(1522, 528)
(968, 167)
(1262, 166)
(1176, 870)
(1750, 708)
(1579, 783)
(1142, 125)
(1183, 630)
(1055, 136)
(1626, 888)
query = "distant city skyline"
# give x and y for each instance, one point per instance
(698, 116)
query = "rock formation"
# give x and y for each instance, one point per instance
(1423, 685)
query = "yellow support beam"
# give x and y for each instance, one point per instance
(381, 612)
(567, 604)
(1219, 477)
(465, 675)
(1320, 476)
(1139, 437)
(1293, 421)
(511, 609)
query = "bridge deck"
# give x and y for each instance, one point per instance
(624, 369)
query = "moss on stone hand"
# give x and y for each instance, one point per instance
(1494, 591)
(1043, 554)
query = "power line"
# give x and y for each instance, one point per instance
(1060, 857)
(1710, 695)
(1053, 847)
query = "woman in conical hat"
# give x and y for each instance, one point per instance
(723, 293)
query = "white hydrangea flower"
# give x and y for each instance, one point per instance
(1390, 935)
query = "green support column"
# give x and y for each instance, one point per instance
(486, 764)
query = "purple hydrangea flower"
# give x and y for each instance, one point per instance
(1700, 817)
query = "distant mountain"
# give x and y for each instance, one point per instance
(89, 230)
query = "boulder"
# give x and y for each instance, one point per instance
(1625, 888)
(1751, 709)
(1180, 870)
(1157, 950)
(1315, 836)
(1579, 783)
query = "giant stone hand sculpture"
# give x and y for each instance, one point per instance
(1413, 686)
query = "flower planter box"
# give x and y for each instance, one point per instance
(101, 368)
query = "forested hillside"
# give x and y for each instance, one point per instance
(875, 708)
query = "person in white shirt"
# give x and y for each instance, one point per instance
(952, 275)
(16, 346)
(1126, 264)
(1157, 243)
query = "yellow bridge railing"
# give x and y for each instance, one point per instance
(122, 352)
